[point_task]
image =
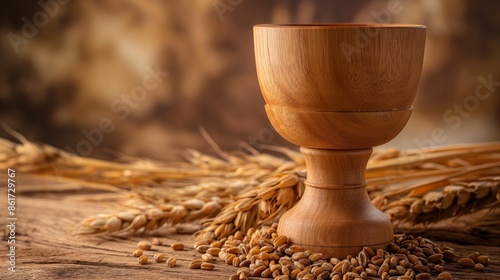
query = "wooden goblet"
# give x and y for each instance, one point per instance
(337, 90)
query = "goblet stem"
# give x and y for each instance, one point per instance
(335, 215)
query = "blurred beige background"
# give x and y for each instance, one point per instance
(112, 78)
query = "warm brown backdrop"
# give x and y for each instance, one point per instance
(82, 58)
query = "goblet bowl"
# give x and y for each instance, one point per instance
(339, 67)
(337, 130)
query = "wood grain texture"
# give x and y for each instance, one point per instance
(339, 67)
(337, 90)
(46, 250)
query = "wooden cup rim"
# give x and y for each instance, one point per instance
(338, 25)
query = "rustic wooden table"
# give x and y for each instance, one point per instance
(45, 249)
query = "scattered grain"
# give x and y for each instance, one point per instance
(143, 259)
(479, 267)
(137, 253)
(177, 246)
(156, 242)
(144, 245)
(444, 276)
(171, 262)
(159, 257)
(195, 264)
(484, 260)
(207, 266)
(466, 262)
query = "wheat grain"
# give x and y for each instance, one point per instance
(156, 242)
(177, 246)
(143, 259)
(171, 262)
(159, 257)
(406, 258)
(144, 245)
(137, 253)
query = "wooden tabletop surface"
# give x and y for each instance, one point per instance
(45, 249)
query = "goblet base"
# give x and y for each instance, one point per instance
(336, 223)
(335, 215)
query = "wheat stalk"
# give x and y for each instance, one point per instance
(262, 206)
(239, 191)
(453, 200)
